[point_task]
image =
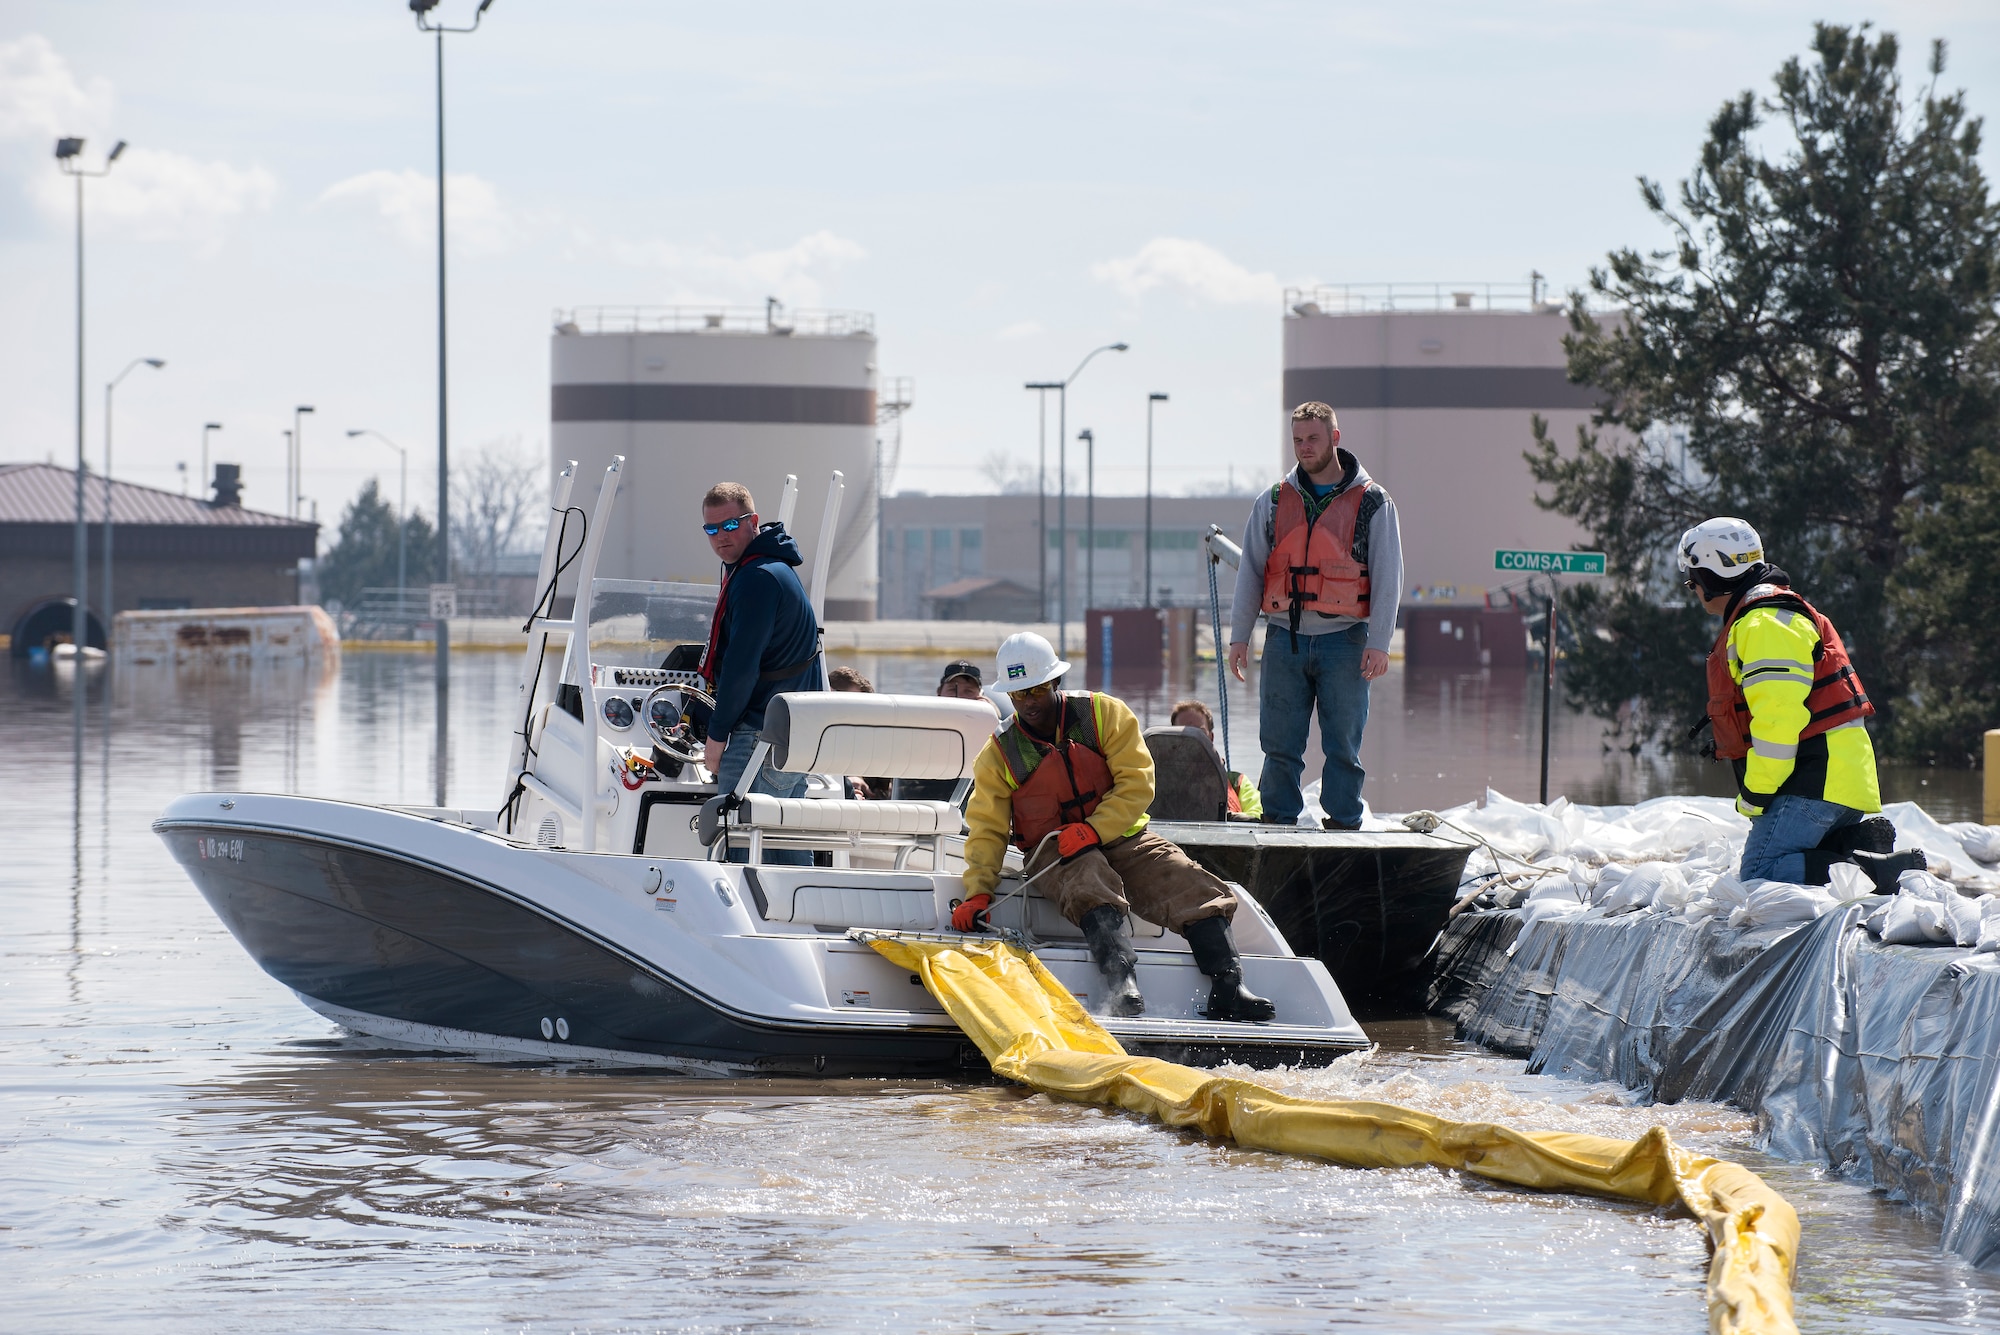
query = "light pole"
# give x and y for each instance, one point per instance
(1042, 483)
(68, 150)
(1089, 439)
(1062, 503)
(422, 10)
(206, 428)
(1151, 399)
(402, 514)
(111, 608)
(296, 463)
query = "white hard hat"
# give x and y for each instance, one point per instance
(1024, 660)
(1725, 547)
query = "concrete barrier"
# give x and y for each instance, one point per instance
(224, 637)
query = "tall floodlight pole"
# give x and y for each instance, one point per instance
(422, 10)
(1062, 502)
(1151, 399)
(68, 150)
(206, 428)
(1089, 439)
(298, 461)
(1042, 483)
(402, 515)
(110, 607)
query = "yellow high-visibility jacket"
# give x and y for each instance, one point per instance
(989, 814)
(1771, 657)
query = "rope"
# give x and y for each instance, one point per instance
(1221, 656)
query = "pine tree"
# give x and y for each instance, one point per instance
(364, 555)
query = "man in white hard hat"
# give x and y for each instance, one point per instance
(1076, 766)
(1787, 709)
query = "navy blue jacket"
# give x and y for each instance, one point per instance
(767, 625)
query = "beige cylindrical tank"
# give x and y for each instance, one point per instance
(692, 397)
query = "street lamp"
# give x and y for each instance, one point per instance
(295, 464)
(422, 10)
(1042, 483)
(111, 608)
(402, 514)
(1062, 505)
(206, 428)
(1089, 439)
(1151, 399)
(68, 151)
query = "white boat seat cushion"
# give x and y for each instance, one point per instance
(887, 736)
(823, 897)
(842, 817)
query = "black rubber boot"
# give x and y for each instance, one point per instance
(1104, 932)
(1819, 864)
(1874, 835)
(1884, 868)
(1215, 955)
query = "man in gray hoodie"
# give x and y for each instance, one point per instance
(1323, 561)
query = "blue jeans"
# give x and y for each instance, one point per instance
(771, 782)
(1325, 669)
(1776, 848)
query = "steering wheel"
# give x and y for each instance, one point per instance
(677, 717)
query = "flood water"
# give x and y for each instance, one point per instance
(187, 1148)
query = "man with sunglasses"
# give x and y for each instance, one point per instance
(1788, 712)
(762, 640)
(1075, 766)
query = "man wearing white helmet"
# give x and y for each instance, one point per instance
(1076, 766)
(1787, 709)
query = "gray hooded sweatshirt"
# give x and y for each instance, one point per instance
(1378, 544)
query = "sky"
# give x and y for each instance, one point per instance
(1003, 187)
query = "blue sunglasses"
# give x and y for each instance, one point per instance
(727, 525)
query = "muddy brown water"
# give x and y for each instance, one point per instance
(187, 1148)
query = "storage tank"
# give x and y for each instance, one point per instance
(1435, 388)
(694, 396)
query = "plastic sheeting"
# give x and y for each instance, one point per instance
(1032, 1030)
(1880, 1059)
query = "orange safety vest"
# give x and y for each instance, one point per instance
(1049, 796)
(1837, 695)
(1235, 792)
(1312, 567)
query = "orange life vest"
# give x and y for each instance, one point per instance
(1235, 792)
(1055, 784)
(1312, 567)
(1837, 695)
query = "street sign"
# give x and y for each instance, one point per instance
(1550, 563)
(444, 601)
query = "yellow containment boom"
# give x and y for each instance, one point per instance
(1033, 1031)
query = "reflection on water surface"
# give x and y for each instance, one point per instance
(189, 1148)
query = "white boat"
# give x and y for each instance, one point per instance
(593, 914)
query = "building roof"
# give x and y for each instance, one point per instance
(46, 494)
(966, 588)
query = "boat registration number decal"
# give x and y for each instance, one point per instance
(219, 850)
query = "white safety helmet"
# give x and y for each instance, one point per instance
(1025, 660)
(1725, 547)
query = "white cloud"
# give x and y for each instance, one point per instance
(151, 193)
(406, 201)
(793, 272)
(1019, 330)
(1199, 271)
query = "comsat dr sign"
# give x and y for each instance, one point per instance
(1550, 563)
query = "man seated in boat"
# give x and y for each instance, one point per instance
(762, 640)
(1074, 766)
(1244, 799)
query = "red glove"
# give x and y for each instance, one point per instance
(970, 916)
(1073, 841)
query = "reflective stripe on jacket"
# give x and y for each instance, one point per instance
(991, 815)
(1787, 705)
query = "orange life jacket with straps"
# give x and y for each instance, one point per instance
(1312, 567)
(1837, 695)
(1055, 784)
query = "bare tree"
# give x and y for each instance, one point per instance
(499, 506)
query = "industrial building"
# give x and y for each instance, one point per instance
(169, 551)
(1435, 389)
(695, 396)
(932, 545)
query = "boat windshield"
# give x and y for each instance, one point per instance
(638, 622)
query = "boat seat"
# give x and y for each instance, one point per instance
(847, 816)
(1189, 780)
(886, 901)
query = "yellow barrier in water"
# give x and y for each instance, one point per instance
(1032, 1030)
